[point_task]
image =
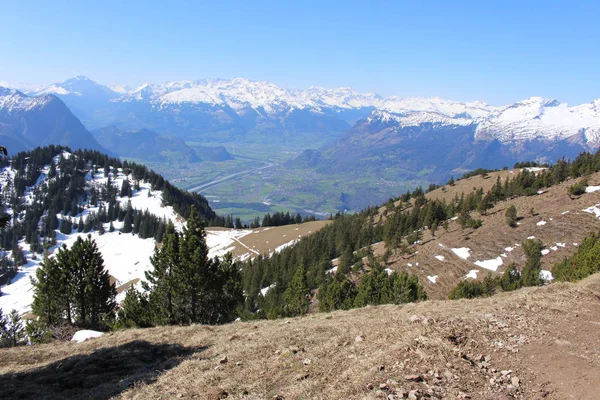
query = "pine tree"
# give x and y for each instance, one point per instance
(135, 311)
(296, 295)
(511, 216)
(51, 301)
(162, 285)
(194, 274)
(12, 332)
(74, 287)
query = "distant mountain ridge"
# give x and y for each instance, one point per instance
(221, 109)
(28, 122)
(148, 145)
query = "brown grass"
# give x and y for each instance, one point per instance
(320, 357)
(494, 236)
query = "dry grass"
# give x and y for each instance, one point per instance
(319, 356)
(494, 236)
(266, 240)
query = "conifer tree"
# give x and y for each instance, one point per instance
(12, 332)
(296, 295)
(75, 286)
(51, 301)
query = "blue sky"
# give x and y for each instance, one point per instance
(495, 51)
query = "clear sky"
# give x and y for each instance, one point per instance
(495, 51)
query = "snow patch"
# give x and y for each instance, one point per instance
(593, 210)
(591, 189)
(83, 335)
(472, 274)
(546, 275)
(541, 223)
(432, 279)
(491, 264)
(441, 258)
(462, 252)
(264, 291)
(545, 251)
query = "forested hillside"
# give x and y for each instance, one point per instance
(51, 193)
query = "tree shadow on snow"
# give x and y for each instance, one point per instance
(100, 375)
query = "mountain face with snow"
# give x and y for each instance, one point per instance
(27, 122)
(435, 146)
(219, 109)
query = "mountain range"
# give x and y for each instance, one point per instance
(27, 122)
(365, 135)
(241, 107)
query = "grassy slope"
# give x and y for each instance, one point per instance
(494, 236)
(547, 337)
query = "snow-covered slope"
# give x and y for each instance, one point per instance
(77, 86)
(11, 101)
(126, 255)
(543, 118)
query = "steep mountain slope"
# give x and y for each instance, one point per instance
(144, 144)
(531, 344)
(27, 122)
(436, 146)
(560, 222)
(87, 99)
(56, 196)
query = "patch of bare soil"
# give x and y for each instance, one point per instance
(530, 344)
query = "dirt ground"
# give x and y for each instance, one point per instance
(535, 343)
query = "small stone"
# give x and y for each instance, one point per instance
(384, 386)
(223, 395)
(302, 377)
(448, 374)
(358, 339)
(414, 395)
(414, 378)
(238, 363)
(307, 361)
(414, 318)
(391, 397)
(506, 372)
(378, 368)
(370, 386)
(223, 360)
(515, 381)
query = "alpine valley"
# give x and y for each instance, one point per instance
(318, 150)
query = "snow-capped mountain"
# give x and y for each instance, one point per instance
(546, 119)
(242, 107)
(27, 122)
(77, 86)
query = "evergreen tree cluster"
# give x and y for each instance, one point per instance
(12, 332)
(375, 287)
(584, 262)
(57, 204)
(74, 288)
(313, 253)
(185, 286)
